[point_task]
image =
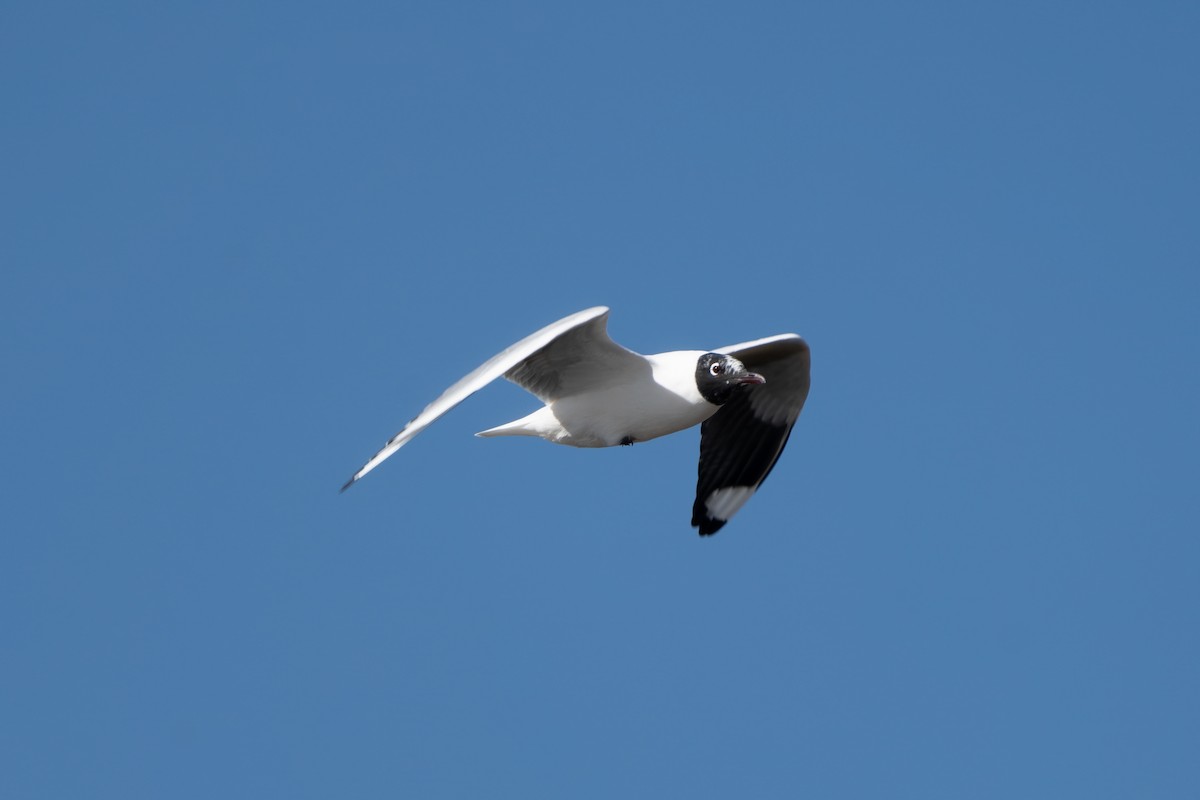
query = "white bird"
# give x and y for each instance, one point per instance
(598, 394)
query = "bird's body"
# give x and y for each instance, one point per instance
(596, 393)
(664, 395)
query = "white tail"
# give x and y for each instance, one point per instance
(540, 423)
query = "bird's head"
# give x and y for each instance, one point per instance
(719, 376)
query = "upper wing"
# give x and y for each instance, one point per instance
(576, 360)
(741, 442)
(545, 363)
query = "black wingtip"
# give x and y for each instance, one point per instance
(347, 485)
(707, 525)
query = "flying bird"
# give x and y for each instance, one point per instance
(746, 398)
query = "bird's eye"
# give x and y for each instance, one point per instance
(717, 369)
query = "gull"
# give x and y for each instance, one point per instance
(746, 398)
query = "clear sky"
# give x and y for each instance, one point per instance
(242, 243)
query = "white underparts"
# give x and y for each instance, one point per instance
(637, 405)
(722, 504)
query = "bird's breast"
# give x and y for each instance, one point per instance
(637, 410)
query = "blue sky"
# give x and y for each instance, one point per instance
(243, 244)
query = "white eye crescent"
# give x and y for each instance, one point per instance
(717, 369)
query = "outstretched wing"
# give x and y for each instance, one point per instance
(562, 358)
(741, 442)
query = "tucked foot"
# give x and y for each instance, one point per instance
(628, 440)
